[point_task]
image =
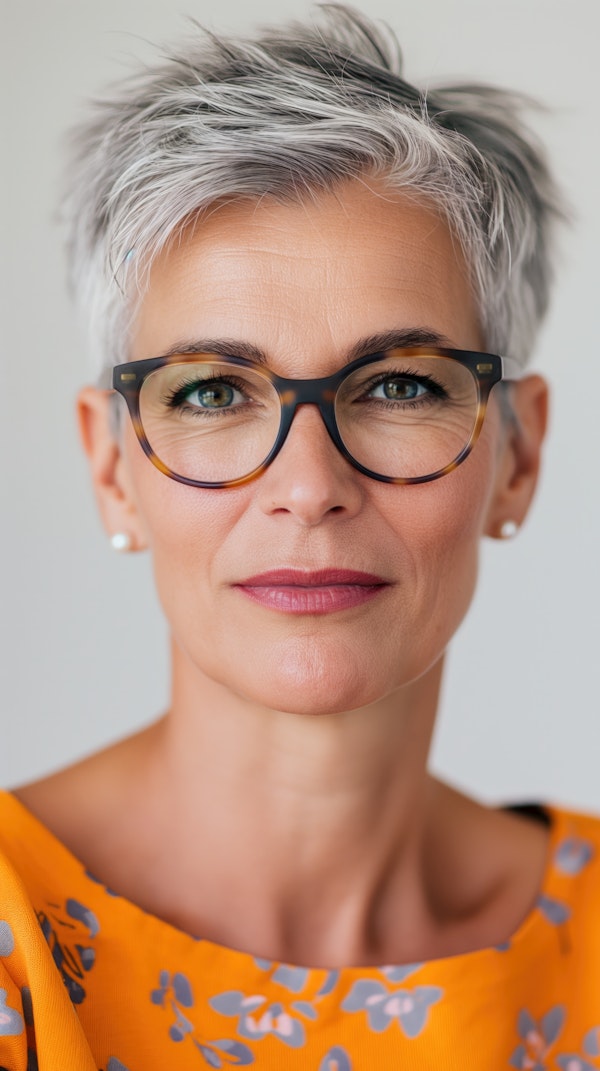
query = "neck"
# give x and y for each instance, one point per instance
(320, 812)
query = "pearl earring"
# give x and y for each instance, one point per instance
(121, 541)
(508, 529)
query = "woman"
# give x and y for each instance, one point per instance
(300, 275)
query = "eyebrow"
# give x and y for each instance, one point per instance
(403, 338)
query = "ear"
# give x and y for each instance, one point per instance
(112, 485)
(521, 445)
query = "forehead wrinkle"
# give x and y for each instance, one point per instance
(395, 338)
(289, 285)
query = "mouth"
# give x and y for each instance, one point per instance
(323, 591)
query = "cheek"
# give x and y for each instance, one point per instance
(185, 529)
(426, 535)
(440, 526)
(178, 520)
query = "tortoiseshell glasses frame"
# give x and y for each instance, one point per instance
(487, 369)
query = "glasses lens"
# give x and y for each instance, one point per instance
(407, 416)
(209, 421)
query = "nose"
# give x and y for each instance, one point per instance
(309, 479)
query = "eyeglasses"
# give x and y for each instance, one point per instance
(401, 416)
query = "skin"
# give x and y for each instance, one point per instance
(300, 742)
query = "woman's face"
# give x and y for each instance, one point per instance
(304, 283)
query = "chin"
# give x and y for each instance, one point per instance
(316, 681)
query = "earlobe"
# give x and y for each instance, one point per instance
(518, 472)
(107, 467)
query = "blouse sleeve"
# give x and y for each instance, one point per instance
(13, 1036)
(39, 1027)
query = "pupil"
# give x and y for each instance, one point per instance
(217, 396)
(399, 388)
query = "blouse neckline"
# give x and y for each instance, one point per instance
(51, 857)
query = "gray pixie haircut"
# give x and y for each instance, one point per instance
(287, 113)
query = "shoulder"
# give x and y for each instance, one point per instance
(25, 855)
(34, 864)
(14, 850)
(85, 804)
(15, 843)
(44, 892)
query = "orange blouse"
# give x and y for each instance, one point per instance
(89, 981)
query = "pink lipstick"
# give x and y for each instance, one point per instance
(323, 591)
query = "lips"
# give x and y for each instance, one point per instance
(320, 591)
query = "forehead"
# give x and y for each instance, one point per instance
(309, 276)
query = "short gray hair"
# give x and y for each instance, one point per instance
(290, 112)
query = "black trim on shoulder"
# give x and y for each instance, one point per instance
(535, 811)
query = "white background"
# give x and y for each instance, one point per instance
(84, 656)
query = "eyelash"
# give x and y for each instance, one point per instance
(427, 381)
(177, 396)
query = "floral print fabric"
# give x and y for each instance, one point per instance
(89, 982)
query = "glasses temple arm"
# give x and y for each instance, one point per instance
(511, 368)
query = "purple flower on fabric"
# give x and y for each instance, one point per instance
(175, 993)
(72, 958)
(292, 978)
(305, 1008)
(408, 1008)
(176, 983)
(522, 1060)
(336, 1059)
(537, 1037)
(78, 911)
(572, 1061)
(295, 978)
(572, 855)
(225, 1051)
(591, 1042)
(257, 1018)
(331, 980)
(175, 990)
(553, 910)
(7, 941)
(398, 974)
(11, 1021)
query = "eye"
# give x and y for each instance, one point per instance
(398, 389)
(208, 394)
(214, 394)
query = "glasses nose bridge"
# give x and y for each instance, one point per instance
(319, 392)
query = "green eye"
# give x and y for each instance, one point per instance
(213, 396)
(398, 389)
